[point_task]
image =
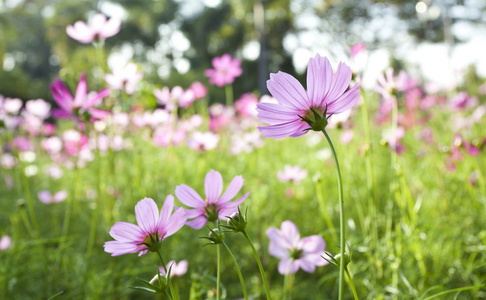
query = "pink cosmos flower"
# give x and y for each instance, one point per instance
(177, 270)
(99, 28)
(357, 48)
(164, 137)
(124, 78)
(246, 105)
(47, 198)
(462, 101)
(5, 242)
(152, 228)
(81, 105)
(39, 108)
(327, 93)
(200, 91)
(293, 251)
(226, 69)
(7, 161)
(294, 174)
(10, 106)
(216, 206)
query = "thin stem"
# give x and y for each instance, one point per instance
(229, 94)
(286, 284)
(341, 219)
(171, 287)
(351, 284)
(218, 273)
(262, 272)
(238, 271)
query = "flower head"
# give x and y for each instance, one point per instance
(216, 206)
(124, 78)
(294, 252)
(47, 198)
(152, 228)
(177, 268)
(99, 28)
(294, 174)
(5, 242)
(298, 110)
(226, 69)
(81, 105)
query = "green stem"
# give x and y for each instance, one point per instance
(262, 272)
(218, 272)
(286, 286)
(351, 284)
(229, 94)
(171, 287)
(238, 271)
(341, 219)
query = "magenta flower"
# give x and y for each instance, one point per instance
(81, 105)
(294, 252)
(99, 28)
(226, 69)
(327, 94)
(215, 206)
(152, 228)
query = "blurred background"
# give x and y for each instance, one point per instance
(443, 41)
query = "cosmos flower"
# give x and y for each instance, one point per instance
(5, 242)
(203, 141)
(47, 198)
(99, 28)
(152, 228)
(216, 206)
(79, 106)
(298, 110)
(294, 174)
(178, 268)
(124, 78)
(294, 252)
(226, 69)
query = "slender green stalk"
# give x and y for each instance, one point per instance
(218, 272)
(229, 94)
(287, 283)
(262, 272)
(171, 287)
(341, 219)
(351, 284)
(238, 271)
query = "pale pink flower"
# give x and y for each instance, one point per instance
(124, 78)
(5, 242)
(200, 91)
(220, 116)
(10, 105)
(8, 161)
(152, 228)
(462, 101)
(39, 108)
(226, 69)
(215, 206)
(294, 174)
(164, 137)
(327, 93)
(47, 198)
(176, 269)
(98, 29)
(54, 171)
(357, 48)
(347, 136)
(295, 253)
(52, 145)
(203, 141)
(74, 142)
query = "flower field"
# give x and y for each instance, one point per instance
(117, 188)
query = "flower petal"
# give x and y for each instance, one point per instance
(313, 244)
(117, 248)
(188, 196)
(290, 233)
(233, 189)
(198, 222)
(273, 113)
(319, 79)
(306, 265)
(345, 102)
(275, 236)
(281, 130)
(213, 186)
(147, 215)
(340, 82)
(288, 91)
(81, 92)
(176, 221)
(166, 210)
(193, 213)
(287, 266)
(127, 232)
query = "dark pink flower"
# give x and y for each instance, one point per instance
(216, 206)
(152, 228)
(327, 93)
(226, 69)
(295, 253)
(99, 28)
(79, 106)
